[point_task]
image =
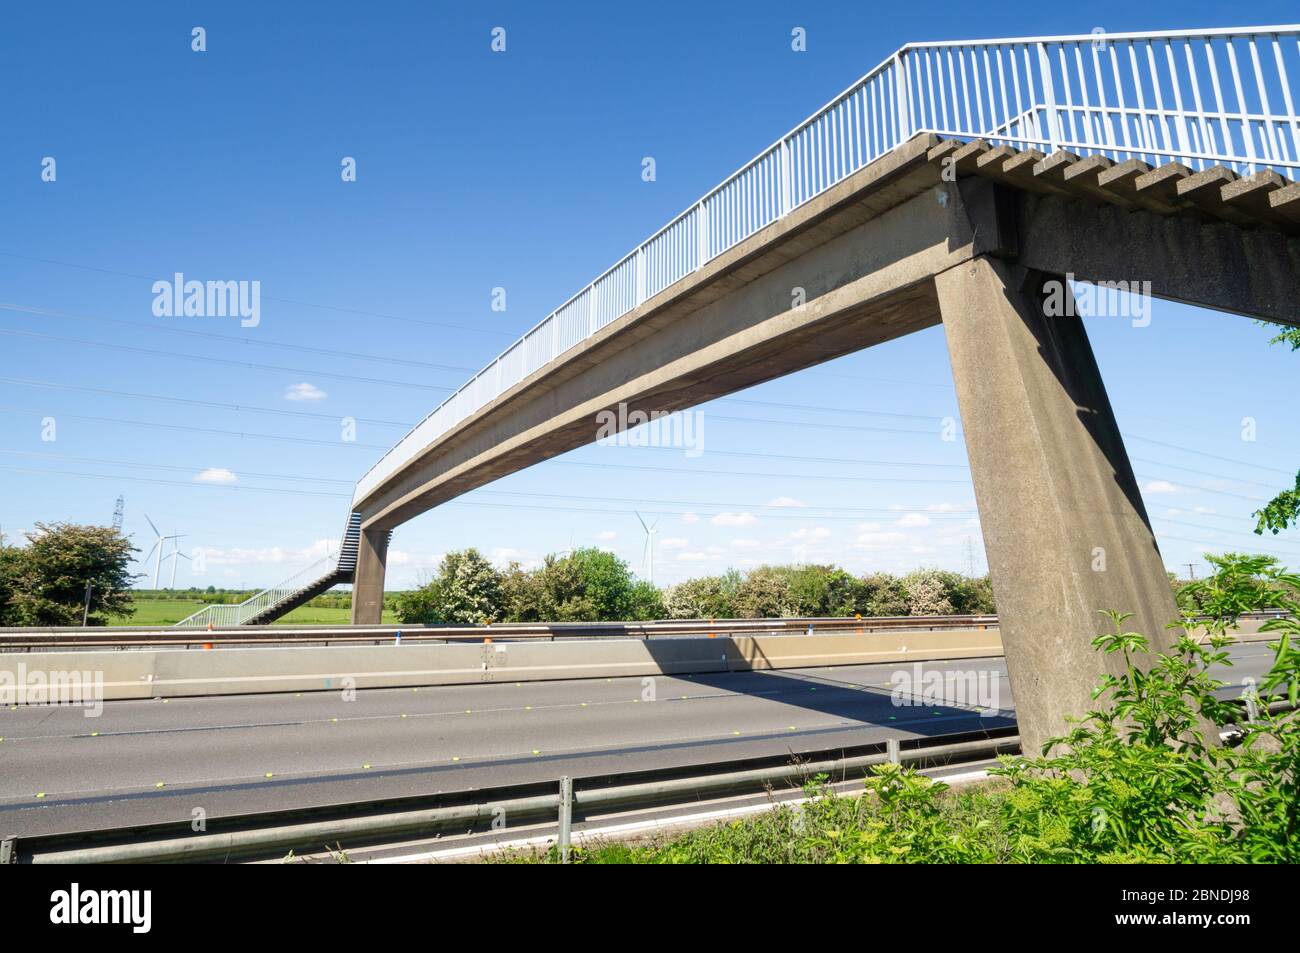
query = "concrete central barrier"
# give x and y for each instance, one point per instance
(173, 673)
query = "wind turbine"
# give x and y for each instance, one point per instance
(649, 545)
(158, 544)
(176, 552)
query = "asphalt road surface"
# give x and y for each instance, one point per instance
(148, 761)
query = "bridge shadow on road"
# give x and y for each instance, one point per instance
(865, 694)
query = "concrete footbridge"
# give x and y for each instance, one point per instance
(956, 183)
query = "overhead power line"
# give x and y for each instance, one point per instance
(205, 430)
(301, 304)
(242, 340)
(226, 362)
(191, 401)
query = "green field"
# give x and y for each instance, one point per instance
(155, 611)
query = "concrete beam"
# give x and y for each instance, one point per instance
(1253, 272)
(1064, 525)
(368, 582)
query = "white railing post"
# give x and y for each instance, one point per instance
(902, 104)
(787, 177)
(593, 314)
(1049, 98)
(640, 274)
(702, 234)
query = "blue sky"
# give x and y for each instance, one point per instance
(479, 170)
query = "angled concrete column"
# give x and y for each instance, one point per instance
(368, 583)
(1064, 525)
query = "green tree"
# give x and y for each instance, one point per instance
(821, 591)
(422, 605)
(927, 592)
(467, 590)
(882, 594)
(647, 602)
(9, 562)
(470, 587)
(47, 578)
(1283, 511)
(706, 597)
(765, 594)
(587, 585)
(523, 595)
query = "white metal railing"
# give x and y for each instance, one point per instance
(1198, 97)
(223, 615)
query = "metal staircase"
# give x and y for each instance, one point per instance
(303, 586)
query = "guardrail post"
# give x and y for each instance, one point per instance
(640, 275)
(892, 747)
(9, 850)
(566, 817)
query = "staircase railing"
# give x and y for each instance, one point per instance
(1198, 97)
(238, 614)
(343, 562)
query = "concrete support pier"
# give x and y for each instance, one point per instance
(368, 583)
(1064, 525)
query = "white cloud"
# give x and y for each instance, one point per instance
(674, 542)
(734, 519)
(810, 533)
(690, 518)
(912, 519)
(697, 557)
(1162, 486)
(216, 475)
(945, 508)
(304, 391)
(407, 557)
(267, 555)
(870, 538)
(787, 501)
(503, 556)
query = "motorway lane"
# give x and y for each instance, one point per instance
(147, 761)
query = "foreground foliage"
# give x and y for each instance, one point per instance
(44, 582)
(1140, 779)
